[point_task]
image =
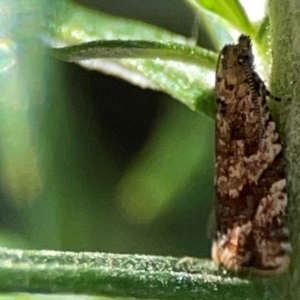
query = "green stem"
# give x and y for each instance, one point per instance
(121, 275)
(285, 22)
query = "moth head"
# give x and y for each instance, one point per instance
(245, 54)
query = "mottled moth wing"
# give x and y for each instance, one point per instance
(250, 177)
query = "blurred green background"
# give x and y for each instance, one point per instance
(91, 163)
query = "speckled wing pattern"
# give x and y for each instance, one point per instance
(250, 177)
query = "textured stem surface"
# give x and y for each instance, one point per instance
(121, 275)
(285, 24)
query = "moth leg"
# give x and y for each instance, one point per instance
(269, 94)
(188, 264)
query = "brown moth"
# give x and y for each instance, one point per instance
(250, 178)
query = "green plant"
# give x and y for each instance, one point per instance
(153, 58)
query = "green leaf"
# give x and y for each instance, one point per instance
(231, 10)
(121, 275)
(217, 28)
(136, 49)
(186, 77)
(222, 19)
(264, 30)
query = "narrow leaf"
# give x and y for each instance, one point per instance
(137, 49)
(175, 67)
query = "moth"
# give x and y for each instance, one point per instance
(251, 223)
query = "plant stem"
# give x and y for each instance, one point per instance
(285, 22)
(120, 275)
